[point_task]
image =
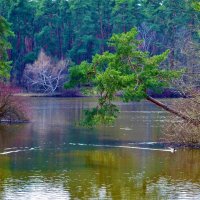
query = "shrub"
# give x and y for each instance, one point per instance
(12, 108)
(181, 132)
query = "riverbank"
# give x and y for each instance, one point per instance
(167, 93)
(37, 95)
(71, 93)
(5, 121)
(177, 146)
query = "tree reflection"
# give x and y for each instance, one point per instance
(104, 173)
(89, 172)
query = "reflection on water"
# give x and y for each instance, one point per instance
(52, 158)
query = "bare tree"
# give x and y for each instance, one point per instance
(187, 84)
(147, 35)
(45, 74)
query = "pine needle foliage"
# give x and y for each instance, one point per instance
(125, 70)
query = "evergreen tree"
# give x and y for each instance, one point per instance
(5, 33)
(48, 30)
(21, 15)
(103, 18)
(125, 13)
(128, 70)
(84, 38)
(65, 32)
(79, 29)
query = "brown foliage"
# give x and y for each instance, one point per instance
(184, 132)
(12, 108)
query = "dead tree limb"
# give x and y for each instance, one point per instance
(195, 122)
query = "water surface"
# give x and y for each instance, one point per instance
(53, 158)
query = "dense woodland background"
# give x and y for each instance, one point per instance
(76, 30)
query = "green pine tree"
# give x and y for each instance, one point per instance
(5, 33)
(128, 70)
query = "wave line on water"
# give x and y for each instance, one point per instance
(11, 148)
(134, 111)
(9, 152)
(125, 147)
(19, 150)
(145, 143)
(126, 129)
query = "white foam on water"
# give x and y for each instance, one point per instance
(150, 111)
(11, 148)
(126, 129)
(125, 147)
(72, 144)
(9, 152)
(18, 150)
(145, 143)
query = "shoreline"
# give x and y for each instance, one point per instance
(75, 95)
(61, 95)
(180, 146)
(5, 121)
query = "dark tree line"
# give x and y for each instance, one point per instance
(78, 29)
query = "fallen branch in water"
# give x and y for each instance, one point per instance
(177, 112)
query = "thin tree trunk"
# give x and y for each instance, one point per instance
(171, 57)
(195, 122)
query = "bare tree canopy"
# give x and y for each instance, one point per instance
(45, 74)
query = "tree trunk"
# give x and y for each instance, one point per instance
(171, 59)
(195, 122)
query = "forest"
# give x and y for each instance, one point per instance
(99, 99)
(75, 30)
(128, 48)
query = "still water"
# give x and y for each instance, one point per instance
(53, 158)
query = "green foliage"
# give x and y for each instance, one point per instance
(124, 15)
(104, 115)
(30, 57)
(79, 75)
(79, 29)
(85, 43)
(20, 14)
(127, 70)
(53, 27)
(5, 33)
(196, 5)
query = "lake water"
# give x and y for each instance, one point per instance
(53, 158)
